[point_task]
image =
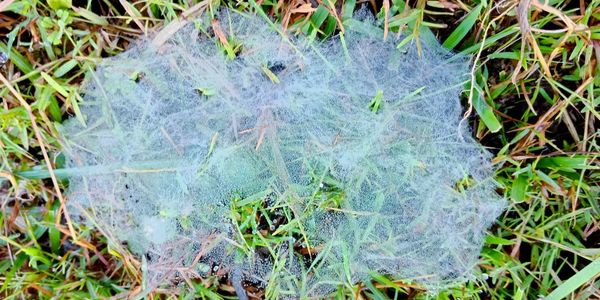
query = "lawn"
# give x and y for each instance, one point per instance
(532, 100)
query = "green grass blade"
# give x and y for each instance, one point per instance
(485, 112)
(90, 16)
(465, 26)
(54, 84)
(584, 275)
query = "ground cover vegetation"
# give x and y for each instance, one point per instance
(531, 100)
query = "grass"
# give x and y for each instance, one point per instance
(532, 100)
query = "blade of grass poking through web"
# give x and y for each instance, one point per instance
(348, 9)
(376, 101)
(465, 26)
(584, 275)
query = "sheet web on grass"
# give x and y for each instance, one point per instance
(301, 165)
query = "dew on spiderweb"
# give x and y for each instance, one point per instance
(302, 165)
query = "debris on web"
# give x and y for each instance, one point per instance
(296, 166)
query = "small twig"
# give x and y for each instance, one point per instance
(526, 96)
(260, 138)
(236, 282)
(171, 141)
(131, 13)
(386, 12)
(219, 33)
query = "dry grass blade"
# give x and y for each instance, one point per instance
(172, 28)
(42, 145)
